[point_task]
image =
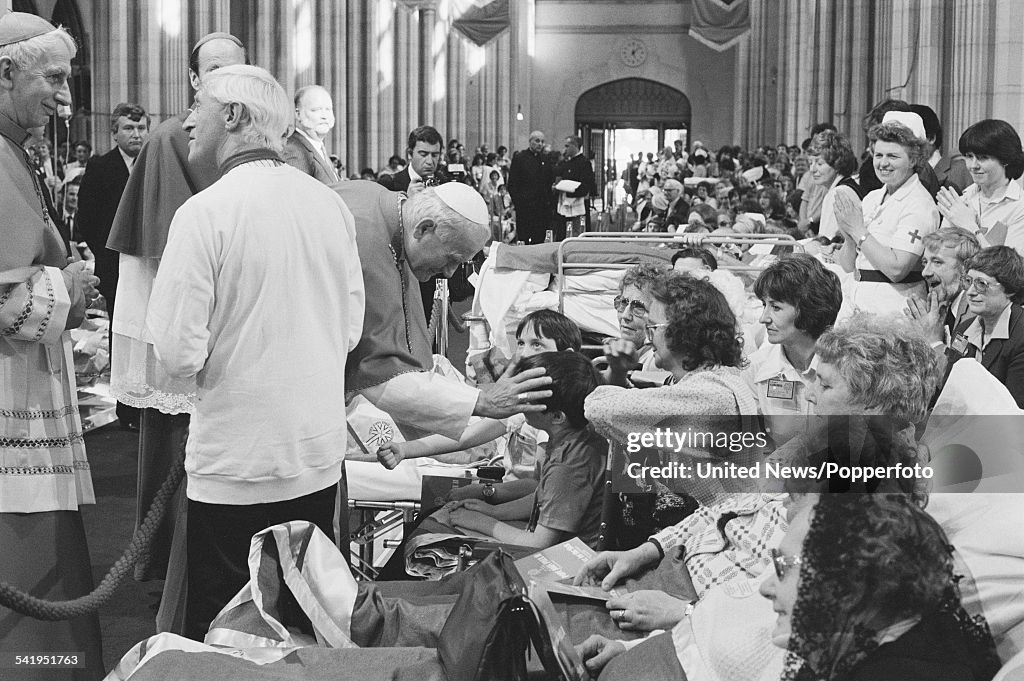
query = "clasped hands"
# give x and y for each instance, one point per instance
(955, 210)
(461, 513)
(849, 214)
(79, 279)
(929, 313)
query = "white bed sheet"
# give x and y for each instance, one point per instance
(372, 482)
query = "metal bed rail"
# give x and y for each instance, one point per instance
(657, 240)
(397, 514)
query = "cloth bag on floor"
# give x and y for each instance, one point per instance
(282, 624)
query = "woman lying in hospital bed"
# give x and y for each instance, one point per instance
(516, 280)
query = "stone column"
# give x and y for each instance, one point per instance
(853, 98)
(971, 88)
(456, 86)
(438, 91)
(272, 45)
(427, 19)
(927, 85)
(112, 65)
(330, 69)
(405, 98)
(479, 64)
(504, 115)
(522, 16)
(355, 89)
(756, 79)
(380, 75)
(208, 16)
(1008, 76)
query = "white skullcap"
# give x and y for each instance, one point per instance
(16, 27)
(465, 201)
(908, 119)
(754, 174)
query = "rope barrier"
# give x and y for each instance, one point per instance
(435, 318)
(137, 552)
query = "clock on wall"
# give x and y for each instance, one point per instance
(634, 52)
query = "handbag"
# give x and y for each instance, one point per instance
(494, 623)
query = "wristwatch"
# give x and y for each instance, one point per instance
(860, 241)
(488, 490)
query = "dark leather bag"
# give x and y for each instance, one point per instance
(492, 626)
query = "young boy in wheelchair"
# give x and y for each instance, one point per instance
(539, 331)
(567, 498)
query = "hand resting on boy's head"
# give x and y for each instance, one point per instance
(513, 393)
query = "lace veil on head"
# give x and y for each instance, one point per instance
(870, 561)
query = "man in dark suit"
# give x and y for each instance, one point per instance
(678, 212)
(314, 120)
(574, 206)
(950, 169)
(423, 169)
(424, 154)
(103, 183)
(529, 184)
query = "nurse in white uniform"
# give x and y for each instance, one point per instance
(885, 235)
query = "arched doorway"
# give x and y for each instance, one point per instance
(631, 115)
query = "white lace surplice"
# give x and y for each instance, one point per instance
(136, 376)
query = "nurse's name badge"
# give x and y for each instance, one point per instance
(959, 344)
(781, 389)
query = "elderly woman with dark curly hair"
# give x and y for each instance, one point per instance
(995, 336)
(992, 150)
(865, 590)
(884, 234)
(801, 301)
(694, 335)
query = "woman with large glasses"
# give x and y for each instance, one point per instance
(993, 284)
(864, 589)
(883, 234)
(992, 150)
(632, 349)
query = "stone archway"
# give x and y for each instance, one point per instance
(640, 104)
(633, 101)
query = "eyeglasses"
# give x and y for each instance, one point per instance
(980, 284)
(636, 307)
(649, 329)
(724, 223)
(783, 563)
